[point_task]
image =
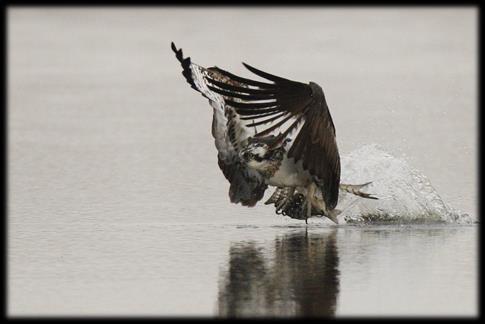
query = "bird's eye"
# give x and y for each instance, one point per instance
(248, 155)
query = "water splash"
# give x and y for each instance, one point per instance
(405, 195)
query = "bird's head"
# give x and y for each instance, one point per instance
(255, 154)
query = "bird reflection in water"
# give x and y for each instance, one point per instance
(297, 277)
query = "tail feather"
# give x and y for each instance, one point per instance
(332, 215)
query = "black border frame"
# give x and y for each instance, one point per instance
(123, 3)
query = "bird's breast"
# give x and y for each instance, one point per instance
(289, 174)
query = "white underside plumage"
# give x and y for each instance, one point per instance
(290, 174)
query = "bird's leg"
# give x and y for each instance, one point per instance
(309, 198)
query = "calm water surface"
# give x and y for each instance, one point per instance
(241, 270)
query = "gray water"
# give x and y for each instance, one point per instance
(116, 204)
(242, 270)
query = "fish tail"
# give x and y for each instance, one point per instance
(355, 189)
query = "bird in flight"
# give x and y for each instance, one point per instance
(275, 132)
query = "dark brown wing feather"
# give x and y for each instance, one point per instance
(316, 146)
(273, 105)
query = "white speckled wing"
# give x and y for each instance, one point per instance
(247, 186)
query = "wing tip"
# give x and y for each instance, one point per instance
(179, 54)
(247, 66)
(252, 68)
(266, 75)
(185, 62)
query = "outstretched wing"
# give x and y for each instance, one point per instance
(247, 186)
(290, 106)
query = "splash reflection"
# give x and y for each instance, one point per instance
(297, 276)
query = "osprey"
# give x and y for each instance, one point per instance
(294, 150)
